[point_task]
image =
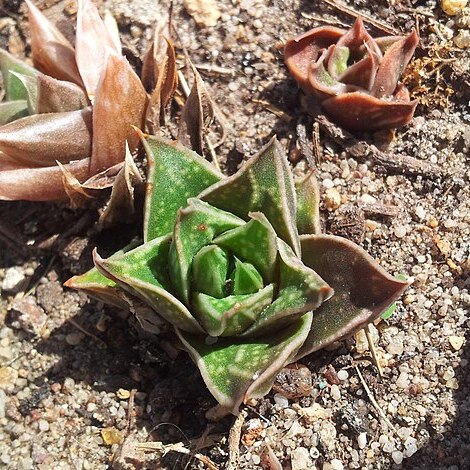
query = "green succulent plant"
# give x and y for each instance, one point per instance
(236, 265)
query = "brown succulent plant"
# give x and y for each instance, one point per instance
(65, 122)
(353, 75)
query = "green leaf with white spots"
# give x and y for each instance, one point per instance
(300, 290)
(195, 227)
(245, 278)
(236, 370)
(308, 205)
(175, 174)
(264, 184)
(209, 271)
(233, 314)
(254, 242)
(102, 288)
(14, 88)
(143, 272)
(363, 289)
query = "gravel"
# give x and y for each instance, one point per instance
(69, 365)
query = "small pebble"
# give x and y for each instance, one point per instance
(74, 338)
(111, 436)
(2, 403)
(13, 279)
(462, 40)
(332, 199)
(403, 381)
(410, 447)
(43, 425)
(335, 392)
(400, 231)
(300, 459)
(342, 374)
(362, 440)
(453, 7)
(456, 342)
(281, 400)
(8, 377)
(397, 457)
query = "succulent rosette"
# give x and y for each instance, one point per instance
(353, 75)
(234, 265)
(71, 114)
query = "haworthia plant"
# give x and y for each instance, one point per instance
(223, 262)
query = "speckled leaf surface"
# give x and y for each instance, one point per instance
(14, 89)
(175, 174)
(234, 370)
(143, 272)
(13, 110)
(264, 184)
(308, 205)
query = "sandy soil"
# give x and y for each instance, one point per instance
(81, 385)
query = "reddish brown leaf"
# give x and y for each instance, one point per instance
(58, 96)
(119, 104)
(358, 111)
(363, 289)
(37, 184)
(52, 53)
(92, 45)
(73, 188)
(43, 139)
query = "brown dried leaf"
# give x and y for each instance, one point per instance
(42, 139)
(52, 53)
(73, 188)
(119, 104)
(57, 96)
(197, 115)
(37, 184)
(121, 207)
(160, 77)
(92, 45)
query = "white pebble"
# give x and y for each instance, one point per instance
(327, 184)
(336, 464)
(362, 440)
(397, 457)
(400, 231)
(410, 447)
(43, 425)
(281, 400)
(403, 381)
(13, 279)
(342, 374)
(335, 392)
(368, 199)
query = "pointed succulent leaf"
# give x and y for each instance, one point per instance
(264, 184)
(395, 60)
(245, 278)
(301, 289)
(113, 29)
(143, 272)
(58, 96)
(234, 370)
(52, 53)
(308, 204)
(254, 242)
(43, 139)
(209, 271)
(93, 44)
(195, 227)
(13, 110)
(231, 315)
(363, 289)
(100, 287)
(175, 174)
(21, 182)
(30, 85)
(14, 88)
(358, 111)
(119, 104)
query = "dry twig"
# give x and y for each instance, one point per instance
(363, 151)
(234, 441)
(372, 350)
